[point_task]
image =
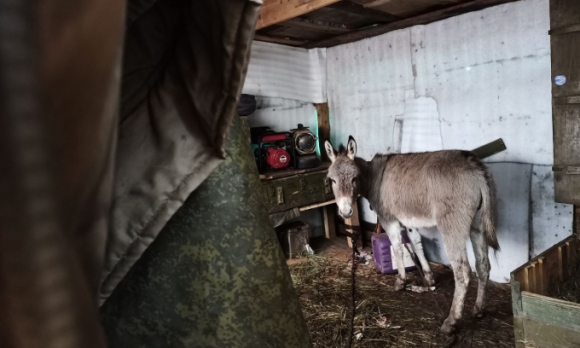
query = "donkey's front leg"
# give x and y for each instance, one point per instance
(393, 229)
(415, 238)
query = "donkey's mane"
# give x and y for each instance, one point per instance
(341, 149)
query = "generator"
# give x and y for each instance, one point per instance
(272, 150)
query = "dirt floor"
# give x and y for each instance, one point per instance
(386, 318)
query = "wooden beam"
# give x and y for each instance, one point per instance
(430, 17)
(329, 225)
(362, 11)
(274, 12)
(280, 40)
(318, 26)
(323, 128)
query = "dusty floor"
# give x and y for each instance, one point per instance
(387, 318)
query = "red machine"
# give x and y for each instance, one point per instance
(273, 150)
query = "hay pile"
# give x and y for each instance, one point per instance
(384, 317)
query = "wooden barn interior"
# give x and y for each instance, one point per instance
(289, 173)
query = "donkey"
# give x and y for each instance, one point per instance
(451, 189)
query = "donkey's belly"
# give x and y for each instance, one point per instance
(414, 222)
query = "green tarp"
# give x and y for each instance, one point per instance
(215, 276)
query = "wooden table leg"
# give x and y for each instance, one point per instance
(352, 224)
(329, 214)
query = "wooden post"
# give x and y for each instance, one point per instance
(323, 128)
(353, 224)
(329, 214)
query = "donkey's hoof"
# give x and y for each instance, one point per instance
(447, 328)
(399, 284)
(430, 279)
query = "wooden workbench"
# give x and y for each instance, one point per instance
(305, 189)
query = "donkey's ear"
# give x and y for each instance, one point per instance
(330, 151)
(351, 148)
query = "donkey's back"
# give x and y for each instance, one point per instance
(434, 188)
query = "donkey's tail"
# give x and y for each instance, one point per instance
(488, 211)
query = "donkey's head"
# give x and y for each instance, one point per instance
(344, 176)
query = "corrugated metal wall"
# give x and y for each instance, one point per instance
(286, 72)
(460, 83)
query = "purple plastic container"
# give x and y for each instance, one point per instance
(383, 257)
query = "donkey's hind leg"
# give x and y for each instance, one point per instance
(480, 252)
(455, 246)
(415, 238)
(393, 230)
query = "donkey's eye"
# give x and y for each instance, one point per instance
(332, 181)
(353, 180)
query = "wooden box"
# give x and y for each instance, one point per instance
(539, 319)
(296, 191)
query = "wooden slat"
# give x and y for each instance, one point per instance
(353, 224)
(567, 29)
(273, 12)
(329, 215)
(317, 205)
(318, 26)
(404, 23)
(323, 128)
(362, 11)
(292, 172)
(280, 40)
(552, 311)
(550, 269)
(531, 333)
(565, 48)
(406, 8)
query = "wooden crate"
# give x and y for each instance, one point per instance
(539, 319)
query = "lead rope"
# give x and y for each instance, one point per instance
(353, 238)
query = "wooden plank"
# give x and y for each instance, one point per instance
(292, 172)
(280, 40)
(323, 128)
(317, 205)
(519, 335)
(567, 29)
(329, 215)
(406, 8)
(470, 6)
(551, 311)
(318, 26)
(516, 295)
(565, 49)
(551, 266)
(353, 224)
(274, 12)
(362, 11)
(537, 334)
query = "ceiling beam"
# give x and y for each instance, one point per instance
(426, 18)
(274, 12)
(318, 26)
(358, 9)
(280, 40)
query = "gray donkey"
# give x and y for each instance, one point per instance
(450, 189)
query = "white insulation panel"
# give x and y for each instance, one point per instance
(283, 114)
(286, 72)
(458, 84)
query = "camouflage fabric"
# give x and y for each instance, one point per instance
(215, 276)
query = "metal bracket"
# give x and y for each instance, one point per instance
(280, 194)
